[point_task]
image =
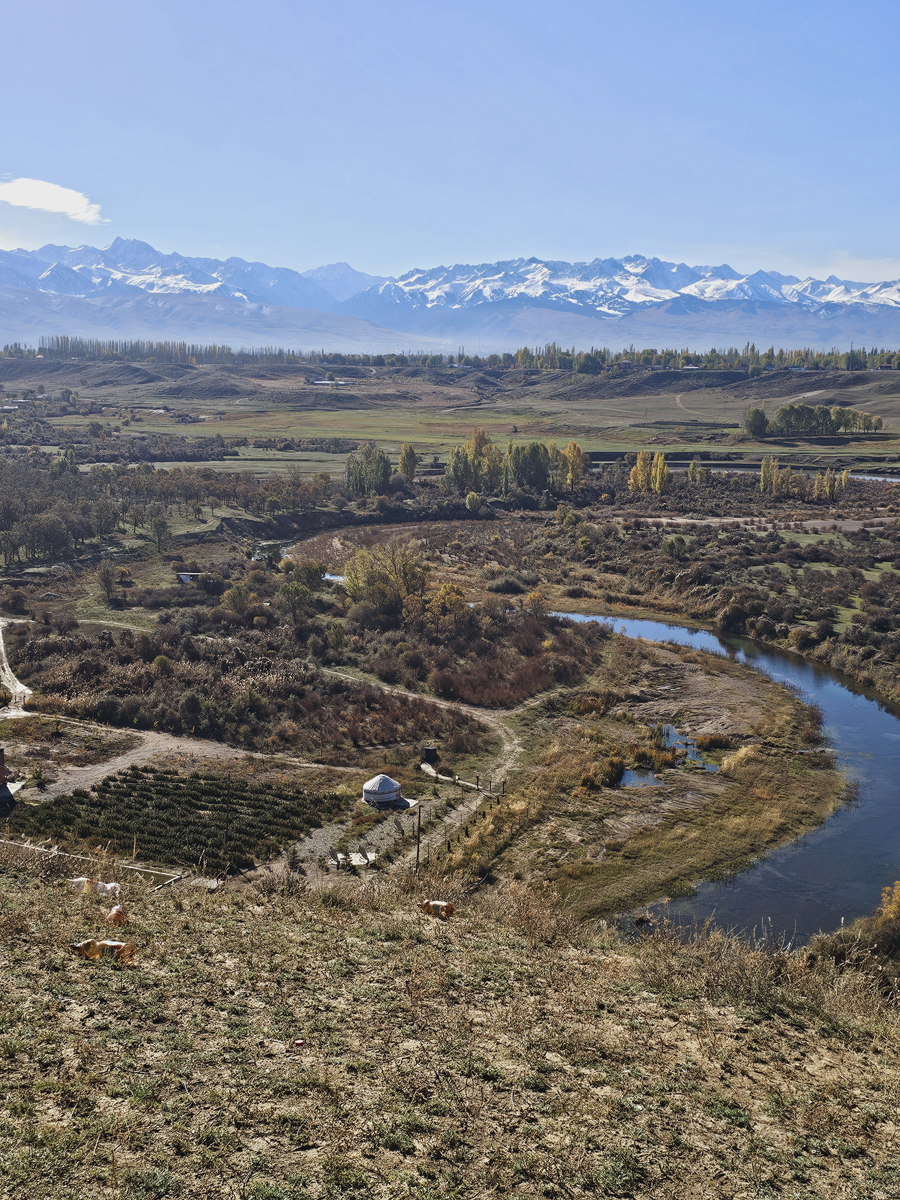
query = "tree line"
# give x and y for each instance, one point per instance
(806, 420)
(549, 357)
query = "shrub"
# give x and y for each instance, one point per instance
(507, 586)
(443, 684)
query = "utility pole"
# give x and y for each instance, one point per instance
(418, 835)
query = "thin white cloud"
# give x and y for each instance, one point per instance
(50, 197)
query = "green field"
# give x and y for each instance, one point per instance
(435, 410)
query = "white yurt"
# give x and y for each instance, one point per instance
(381, 792)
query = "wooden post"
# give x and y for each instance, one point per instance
(503, 793)
(478, 783)
(418, 835)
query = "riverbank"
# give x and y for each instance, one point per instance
(607, 849)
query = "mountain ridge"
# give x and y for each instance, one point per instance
(129, 288)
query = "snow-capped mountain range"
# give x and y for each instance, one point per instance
(130, 289)
(124, 266)
(612, 287)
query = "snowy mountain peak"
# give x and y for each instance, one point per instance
(341, 280)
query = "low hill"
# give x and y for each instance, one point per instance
(275, 1043)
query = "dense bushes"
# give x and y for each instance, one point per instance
(257, 688)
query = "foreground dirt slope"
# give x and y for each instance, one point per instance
(502, 1054)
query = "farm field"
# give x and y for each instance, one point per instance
(211, 823)
(685, 413)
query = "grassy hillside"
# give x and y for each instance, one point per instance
(276, 1044)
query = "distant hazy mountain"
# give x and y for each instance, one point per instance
(130, 289)
(342, 281)
(616, 302)
(126, 266)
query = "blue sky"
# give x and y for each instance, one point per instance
(406, 133)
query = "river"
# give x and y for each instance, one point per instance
(836, 872)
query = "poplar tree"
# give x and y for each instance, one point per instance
(368, 471)
(573, 465)
(409, 461)
(641, 473)
(660, 475)
(768, 470)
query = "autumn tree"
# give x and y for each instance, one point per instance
(660, 476)
(386, 576)
(476, 466)
(768, 472)
(409, 461)
(640, 477)
(572, 467)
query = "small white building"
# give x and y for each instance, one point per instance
(382, 792)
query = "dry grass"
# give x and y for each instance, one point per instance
(504, 1053)
(608, 850)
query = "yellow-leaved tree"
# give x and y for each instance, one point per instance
(639, 479)
(660, 476)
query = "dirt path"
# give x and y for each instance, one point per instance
(19, 692)
(692, 411)
(157, 745)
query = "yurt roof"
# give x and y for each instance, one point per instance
(381, 783)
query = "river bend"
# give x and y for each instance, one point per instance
(834, 873)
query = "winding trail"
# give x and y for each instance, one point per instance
(692, 411)
(19, 693)
(495, 718)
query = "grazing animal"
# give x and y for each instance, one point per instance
(122, 952)
(441, 909)
(117, 915)
(94, 885)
